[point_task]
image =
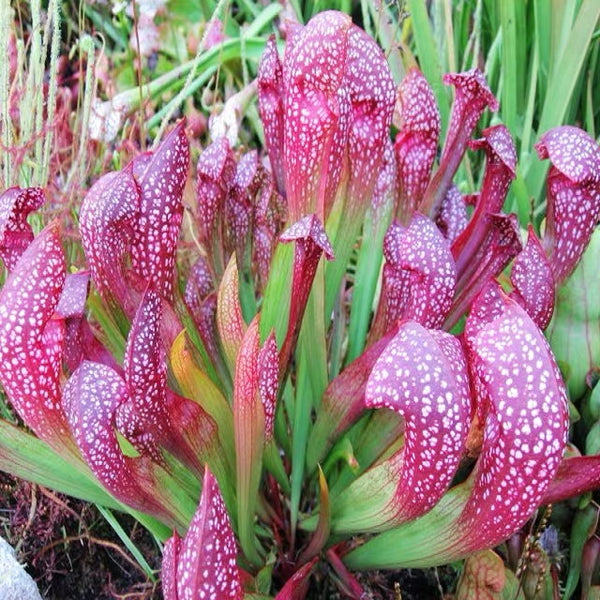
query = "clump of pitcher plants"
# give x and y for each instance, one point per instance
(353, 372)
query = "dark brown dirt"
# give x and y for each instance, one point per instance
(69, 548)
(410, 584)
(73, 554)
(405, 584)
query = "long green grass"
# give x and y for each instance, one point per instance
(540, 57)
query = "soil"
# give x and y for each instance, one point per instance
(411, 584)
(70, 550)
(74, 554)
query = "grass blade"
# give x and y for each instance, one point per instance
(133, 550)
(560, 90)
(510, 65)
(429, 59)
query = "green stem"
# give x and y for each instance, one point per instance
(311, 383)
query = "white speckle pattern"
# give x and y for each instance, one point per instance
(271, 107)
(573, 152)
(268, 382)
(499, 147)
(240, 202)
(108, 216)
(168, 571)
(203, 311)
(198, 288)
(15, 232)
(418, 121)
(384, 192)
(471, 98)
(138, 404)
(309, 228)
(419, 274)
(533, 280)
(499, 173)
(452, 219)
(206, 566)
(516, 379)
(74, 294)
(254, 393)
(422, 375)
(31, 341)
(343, 401)
(269, 219)
(161, 211)
(136, 211)
(371, 95)
(78, 339)
(338, 97)
(215, 173)
(338, 169)
(142, 418)
(91, 398)
(199, 282)
(573, 196)
(502, 242)
(311, 241)
(313, 71)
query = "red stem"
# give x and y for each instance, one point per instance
(349, 582)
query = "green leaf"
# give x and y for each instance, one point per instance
(175, 102)
(230, 321)
(584, 524)
(365, 283)
(568, 65)
(594, 593)
(574, 332)
(312, 381)
(230, 49)
(510, 65)
(263, 579)
(343, 232)
(27, 457)
(378, 437)
(263, 19)
(387, 31)
(276, 300)
(482, 577)
(191, 11)
(592, 440)
(113, 323)
(428, 56)
(196, 385)
(594, 402)
(512, 588)
(424, 542)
